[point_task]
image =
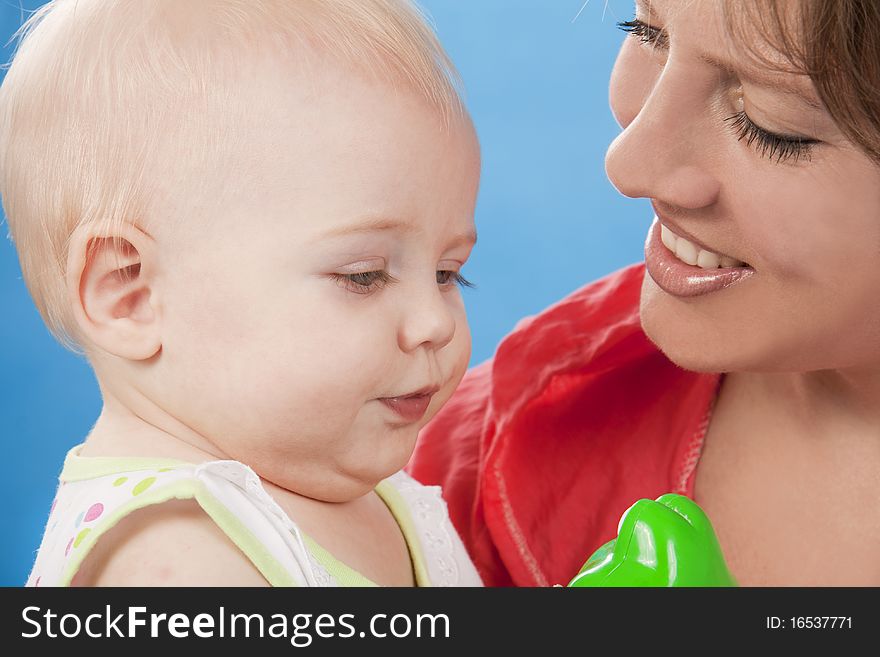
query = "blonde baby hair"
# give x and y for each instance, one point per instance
(100, 92)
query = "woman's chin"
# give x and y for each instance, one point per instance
(690, 341)
(685, 356)
(726, 334)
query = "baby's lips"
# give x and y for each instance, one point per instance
(664, 542)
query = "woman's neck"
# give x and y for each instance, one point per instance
(787, 474)
(823, 401)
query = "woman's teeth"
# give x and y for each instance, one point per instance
(691, 254)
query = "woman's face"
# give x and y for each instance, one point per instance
(765, 251)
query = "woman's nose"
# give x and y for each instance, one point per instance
(428, 320)
(663, 151)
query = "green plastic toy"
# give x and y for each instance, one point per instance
(664, 542)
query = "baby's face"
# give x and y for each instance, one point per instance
(313, 324)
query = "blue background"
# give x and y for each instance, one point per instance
(536, 83)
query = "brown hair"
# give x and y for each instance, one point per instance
(837, 44)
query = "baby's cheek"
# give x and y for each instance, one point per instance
(315, 380)
(454, 360)
(460, 347)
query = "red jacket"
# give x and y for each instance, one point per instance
(578, 415)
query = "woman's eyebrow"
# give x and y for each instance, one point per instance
(769, 81)
(777, 82)
(647, 7)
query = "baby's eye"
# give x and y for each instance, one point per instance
(446, 277)
(364, 282)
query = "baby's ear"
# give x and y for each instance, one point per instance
(110, 284)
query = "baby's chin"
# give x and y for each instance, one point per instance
(338, 489)
(330, 482)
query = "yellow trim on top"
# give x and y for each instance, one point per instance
(397, 505)
(344, 574)
(79, 468)
(241, 536)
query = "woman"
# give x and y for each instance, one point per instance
(741, 364)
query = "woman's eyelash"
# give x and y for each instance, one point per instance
(768, 144)
(645, 33)
(370, 281)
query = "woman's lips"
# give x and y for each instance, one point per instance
(411, 408)
(681, 279)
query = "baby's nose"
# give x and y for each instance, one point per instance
(428, 320)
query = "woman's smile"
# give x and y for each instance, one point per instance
(682, 269)
(685, 269)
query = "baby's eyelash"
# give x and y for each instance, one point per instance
(647, 34)
(364, 282)
(768, 144)
(370, 281)
(446, 277)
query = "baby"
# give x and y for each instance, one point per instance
(251, 217)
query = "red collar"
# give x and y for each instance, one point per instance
(585, 417)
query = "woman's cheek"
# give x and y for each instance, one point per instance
(792, 233)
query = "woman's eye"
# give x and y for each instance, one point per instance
(647, 34)
(447, 277)
(769, 144)
(364, 282)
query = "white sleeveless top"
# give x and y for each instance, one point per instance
(94, 493)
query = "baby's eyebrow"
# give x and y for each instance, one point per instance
(384, 224)
(371, 225)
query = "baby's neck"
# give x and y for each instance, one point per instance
(123, 430)
(136, 427)
(360, 532)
